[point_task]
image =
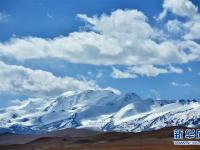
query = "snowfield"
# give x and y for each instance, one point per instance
(98, 110)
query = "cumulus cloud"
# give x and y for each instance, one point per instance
(184, 8)
(180, 84)
(144, 70)
(123, 37)
(36, 83)
(175, 26)
(193, 27)
(112, 39)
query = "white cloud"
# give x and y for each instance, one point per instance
(147, 70)
(144, 70)
(172, 69)
(193, 27)
(161, 16)
(175, 26)
(180, 84)
(112, 39)
(121, 22)
(118, 74)
(184, 8)
(35, 83)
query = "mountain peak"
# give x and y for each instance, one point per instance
(131, 97)
(99, 110)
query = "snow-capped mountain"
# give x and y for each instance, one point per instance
(98, 110)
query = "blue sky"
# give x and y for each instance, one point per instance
(46, 18)
(151, 48)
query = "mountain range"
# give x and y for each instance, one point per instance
(99, 110)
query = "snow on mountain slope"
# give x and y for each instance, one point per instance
(99, 110)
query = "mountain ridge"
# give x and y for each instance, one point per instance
(100, 110)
